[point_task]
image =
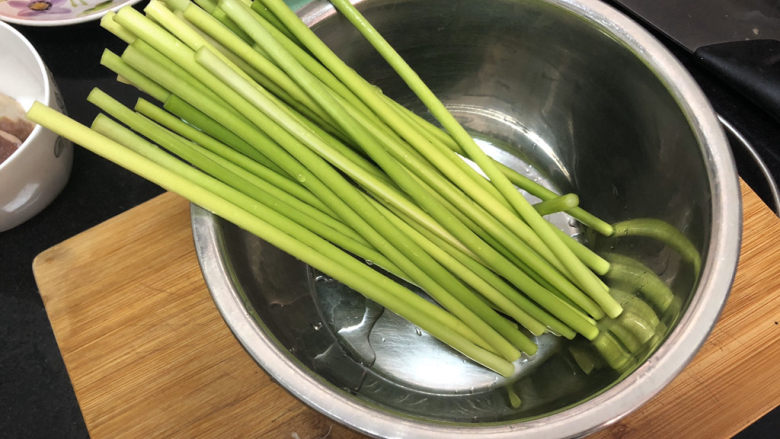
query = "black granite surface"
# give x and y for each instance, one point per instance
(36, 397)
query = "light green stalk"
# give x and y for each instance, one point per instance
(664, 232)
(203, 122)
(112, 61)
(433, 278)
(318, 253)
(242, 180)
(108, 23)
(345, 189)
(176, 125)
(585, 278)
(467, 275)
(367, 92)
(557, 204)
(249, 92)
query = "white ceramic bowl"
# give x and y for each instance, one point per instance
(38, 170)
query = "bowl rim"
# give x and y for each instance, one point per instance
(603, 409)
(47, 91)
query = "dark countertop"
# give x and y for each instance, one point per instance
(36, 397)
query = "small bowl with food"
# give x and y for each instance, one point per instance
(35, 163)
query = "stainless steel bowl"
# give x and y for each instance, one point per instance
(570, 92)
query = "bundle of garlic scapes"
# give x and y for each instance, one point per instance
(263, 125)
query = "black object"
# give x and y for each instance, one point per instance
(739, 39)
(751, 67)
(732, 48)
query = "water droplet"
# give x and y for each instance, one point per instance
(418, 331)
(301, 178)
(317, 326)
(369, 262)
(572, 222)
(323, 278)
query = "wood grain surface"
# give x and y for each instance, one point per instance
(149, 355)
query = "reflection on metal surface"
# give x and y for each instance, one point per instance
(528, 139)
(774, 192)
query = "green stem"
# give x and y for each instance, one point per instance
(440, 138)
(315, 142)
(543, 193)
(108, 23)
(358, 130)
(437, 157)
(112, 61)
(381, 239)
(507, 290)
(585, 278)
(159, 46)
(612, 352)
(632, 272)
(470, 277)
(271, 18)
(176, 125)
(423, 270)
(278, 82)
(664, 232)
(300, 100)
(211, 7)
(203, 122)
(318, 253)
(595, 262)
(528, 260)
(634, 305)
(240, 179)
(557, 204)
(195, 39)
(232, 176)
(310, 64)
(441, 158)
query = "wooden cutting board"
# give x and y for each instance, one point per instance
(149, 355)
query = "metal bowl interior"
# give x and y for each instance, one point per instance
(573, 95)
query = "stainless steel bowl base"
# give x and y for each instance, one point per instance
(571, 94)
